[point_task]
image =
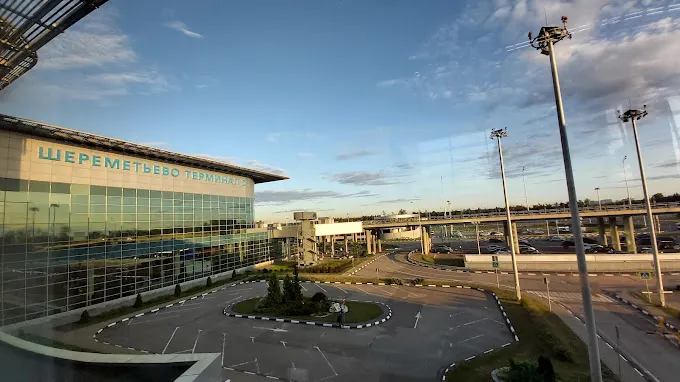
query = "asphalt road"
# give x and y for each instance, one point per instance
(651, 351)
(455, 324)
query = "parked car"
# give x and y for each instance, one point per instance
(567, 243)
(529, 251)
(589, 240)
(502, 252)
(555, 238)
(494, 240)
(523, 241)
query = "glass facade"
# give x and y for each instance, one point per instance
(65, 246)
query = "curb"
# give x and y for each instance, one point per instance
(313, 323)
(366, 264)
(537, 273)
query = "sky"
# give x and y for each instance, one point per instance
(374, 106)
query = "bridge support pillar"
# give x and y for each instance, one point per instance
(375, 243)
(333, 246)
(515, 237)
(379, 245)
(614, 233)
(506, 234)
(346, 246)
(369, 249)
(602, 231)
(426, 240)
(629, 227)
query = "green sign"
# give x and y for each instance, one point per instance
(495, 264)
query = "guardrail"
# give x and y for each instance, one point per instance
(526, 213)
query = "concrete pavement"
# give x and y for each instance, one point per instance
(637, 338)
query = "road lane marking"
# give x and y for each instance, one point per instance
(196, 342)
(320, 287)
(470, 339)
(328, 362)
(168, 344)
(224, 342)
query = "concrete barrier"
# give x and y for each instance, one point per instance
(204, 367)
(567, 263)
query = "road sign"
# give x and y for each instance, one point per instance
(494, 258)
(645, 275)
(495, 264)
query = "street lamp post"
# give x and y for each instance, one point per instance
(450, 215)
(599, 202)
(625, 177)
(633, 116)
(497, 135)
(526, 199)
(544, 42)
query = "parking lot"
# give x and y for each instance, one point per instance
(453, 324)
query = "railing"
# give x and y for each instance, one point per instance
(625, 207)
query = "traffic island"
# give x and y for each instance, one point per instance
(360, 314)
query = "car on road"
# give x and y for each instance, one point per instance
(524, 242)
(442, 249)
(590, 240)
(494, 248)
(555, 238)
(494, 240)
(528, 250)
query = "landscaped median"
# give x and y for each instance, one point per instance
(291, 306)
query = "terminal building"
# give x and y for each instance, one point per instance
(86, 219)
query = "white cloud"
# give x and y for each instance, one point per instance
(274, 137)
(305, 155)
(265, 167)
(181, 27)
(94, 42)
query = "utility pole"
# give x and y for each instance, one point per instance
(633, 116)
(599, 202)
(526, 199)
(544, 42)
(625, 177)
(497, 135)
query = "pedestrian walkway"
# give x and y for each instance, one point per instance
(570, 296)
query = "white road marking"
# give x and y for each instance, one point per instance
(156, 319)
(328, 362)
(257, 366)
(196, 342)
(271, 329)
(343, 291)
(224, 342)
(303, 287)
(468, 323)
(469, 339)
(252, 339)
(168, 344)
(130, 320)
(320, 287)
(242, 363)
(283, 343)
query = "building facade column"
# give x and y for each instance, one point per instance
(614, 233)
(602, 231)
(629, 227)
(515, 237)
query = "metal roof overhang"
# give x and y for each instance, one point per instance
(99, 142)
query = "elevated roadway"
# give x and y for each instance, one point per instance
(547, 214)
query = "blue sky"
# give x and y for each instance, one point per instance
(373, 106)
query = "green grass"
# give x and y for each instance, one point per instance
(358, 312)
(540, 332)
(282, 266)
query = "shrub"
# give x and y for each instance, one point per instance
(395, 281)
(85, 317)
(208, 282)
(288, 291)
(274, 296)
(319, 296)
(178, 290)
(138, 301)
(522, 371)
(417, 281)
